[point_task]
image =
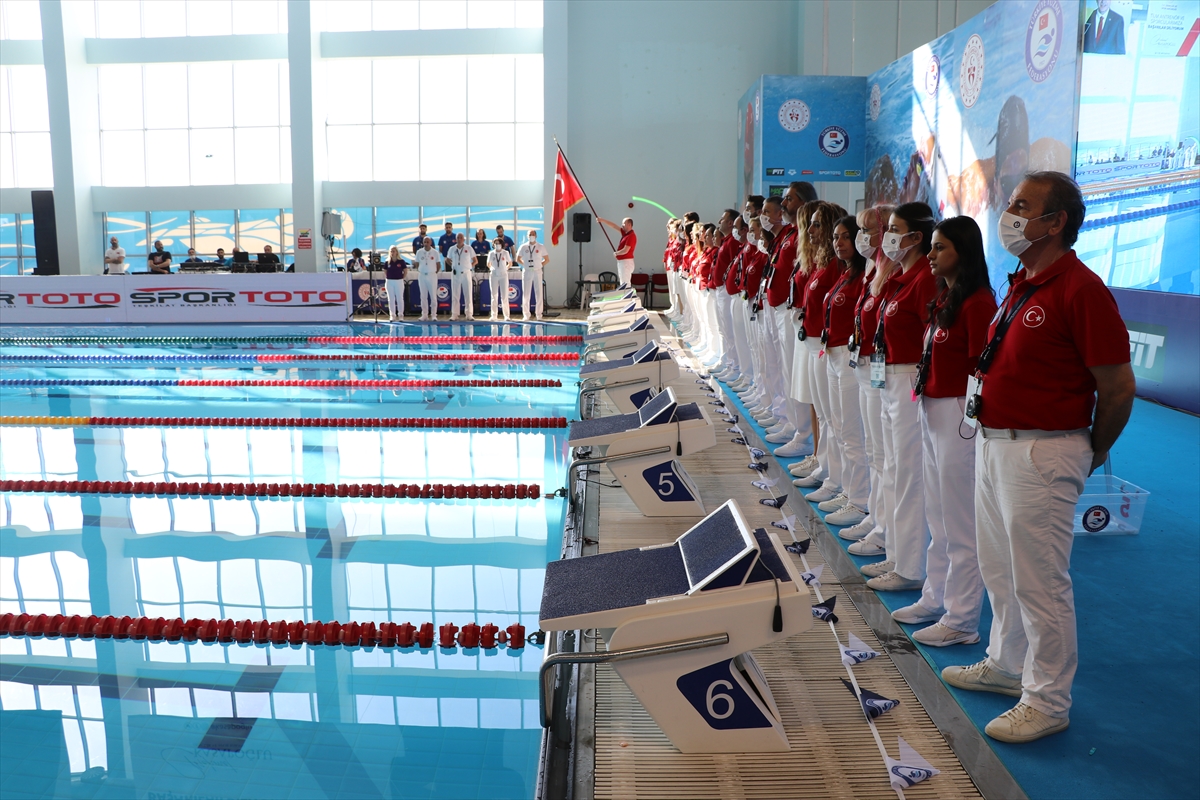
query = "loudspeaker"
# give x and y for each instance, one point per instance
(45, 233)
(331, 224)
(581, 227)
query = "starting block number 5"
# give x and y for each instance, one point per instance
(667, 483)
(717, 694)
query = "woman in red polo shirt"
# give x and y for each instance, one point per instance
(871, 223)
(898, 343)
(956, 335)
(671, 255)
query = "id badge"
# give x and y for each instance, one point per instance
(973, 385)
(878, 370)
(853, 363)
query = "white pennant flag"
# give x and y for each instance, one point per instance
(814, 576)
(787, 523)
(910, 769)
(765, 484)
(735, 429)
(856, 652)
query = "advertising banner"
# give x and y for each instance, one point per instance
(801, 128)
(958, 122)
(136, 299)
(1164, 348)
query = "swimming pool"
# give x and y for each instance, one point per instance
(123, 718)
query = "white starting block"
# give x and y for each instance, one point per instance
(618, 318)
(627, 296)
(622, 291)
(640, 450)
(680, 621)
(631, 381)
(623, 340)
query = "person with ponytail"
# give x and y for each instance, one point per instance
(757, 390)
(898, 342)
(800, 394)
(952, 597)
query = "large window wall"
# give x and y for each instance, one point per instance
(382, 227)
(24, 128)
(18, 256)
(248, 228)
(122, 19)
(407, 15)
(438, 118)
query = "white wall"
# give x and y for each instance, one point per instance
(653, 87)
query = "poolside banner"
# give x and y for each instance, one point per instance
(959, 121)
(143, 298)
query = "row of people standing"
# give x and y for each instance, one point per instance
(946, 435)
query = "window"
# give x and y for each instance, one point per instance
(444, 118)
(211, 123)
(24, 128)
(20, 19)
(82, 717)
(407, 15)
(10, 245)
(122, 19)
(398, 225)
(46, 583)
(206, 231)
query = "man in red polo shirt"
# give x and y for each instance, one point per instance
(725, 254)
(777, 276)
(1057, 390)
(625, 247)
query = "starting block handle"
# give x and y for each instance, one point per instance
(546, 693)
(582, 462)
(586, 390)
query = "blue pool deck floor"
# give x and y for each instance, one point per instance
(1135, 718)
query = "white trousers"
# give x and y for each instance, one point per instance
(786, 328)
(871, 406)
(498, 284)
(903, 463)
(716, 338)
(773, 362)
(531, 278)
(428, 284)
(625, 269)
(395, 295)
(461, 294)
(725, 323)
(1025, 496)
(846, 417)
(673, 290)
(741, 338)
(829, 451)
(952, 580)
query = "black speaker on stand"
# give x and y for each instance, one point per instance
(45, 232)
(581, 231)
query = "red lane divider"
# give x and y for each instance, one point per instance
(497, 340)
(225, 631)
(376, 384)
(435, 491)
(474, 423)
(565, 358)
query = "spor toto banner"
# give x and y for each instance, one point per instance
(279, 297)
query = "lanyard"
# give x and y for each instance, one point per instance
(1005, 320)
(829, 306)
(926, 357)
(880, 347)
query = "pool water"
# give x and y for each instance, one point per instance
(108, 718)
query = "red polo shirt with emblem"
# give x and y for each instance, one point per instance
(627, 240)
(733, 277)
(689, 262)
(783, 255)
(704, 273)
(956, 349)
(906, 299)
(867, 312)
(756, 262)
(1040, 377)
(839, 308)
(820, 281)
(725, 253)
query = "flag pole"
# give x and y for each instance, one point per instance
(585, 197)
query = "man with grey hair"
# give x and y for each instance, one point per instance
(625, 247)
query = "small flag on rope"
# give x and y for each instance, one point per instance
(757, 466)
(799, 548)
(756, 453)
(873, 705)
(735, 429)
(824, 610)
(856, 652)
(738, 440)
(774, 502)
(813, 575)
(766, 483)
(788, 523)
(910, 769)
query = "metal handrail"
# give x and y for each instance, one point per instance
(546, 695)
(600, 387)
(582, 462)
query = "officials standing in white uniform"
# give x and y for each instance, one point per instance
(460, 260)
(499, 261)
(532, 258)
(428, 260)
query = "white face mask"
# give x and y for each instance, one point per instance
(751, 238)
(862, 243)
(746, 217)
(891, 246)
(766, 223)
(1012, 232)
(762, 247)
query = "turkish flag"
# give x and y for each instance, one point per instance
(567, 192)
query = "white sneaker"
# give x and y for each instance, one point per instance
(492, 318)
(784, 435)
(525, 317)
(939, 635)
(916, 614)
(856, 532)
(1024, 723)
(865, 548)
(822, 494)
(848, 514)
(893, 582)
(796, 447)
(779, 426)
(835, 503)
(980, 677)
(877, 569)
(807, 482)
(805, 467)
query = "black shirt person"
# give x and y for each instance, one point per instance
(417, 242)
(447, 239)
(356, 263)
(267, 257)
(192, 257)
(160, 260)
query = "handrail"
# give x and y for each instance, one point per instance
(614, 385)
(581, 462)
(627, 654)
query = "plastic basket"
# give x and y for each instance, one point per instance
(1110, 506)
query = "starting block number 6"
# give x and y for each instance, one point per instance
(719, 697)
(711, 698)
(667, 483)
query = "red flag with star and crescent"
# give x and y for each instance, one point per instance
(567, 192)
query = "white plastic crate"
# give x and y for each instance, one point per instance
(1109, 506)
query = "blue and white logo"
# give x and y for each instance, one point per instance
(443, 292)
(512, 292)
(834, 141)
(1043, 38)
(1096, 519)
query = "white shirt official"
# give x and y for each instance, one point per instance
(461, 260)
(499, 260)
(115, 253)
(427, 261)
(532, 255)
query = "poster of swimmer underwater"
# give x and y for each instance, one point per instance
(957, 122)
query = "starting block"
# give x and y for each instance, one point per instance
(640, 450)
(618, 318)
(611, 304)
(621, 292)
(624, 340)
(631, 381)
(680, 621)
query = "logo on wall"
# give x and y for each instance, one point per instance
(1096, 519)
(834, 141)
(794, 115)
(364, 291)
(933, 75)
(876, 102)
(970, 72)
(512, 292)
(1043, 38)
(443, 292)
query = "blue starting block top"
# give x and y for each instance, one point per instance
(718, 552)
(639, 324)
(649, 353)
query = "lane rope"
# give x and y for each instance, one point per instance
(437, 423)
(42, 341)
(337, 383)
(426, 491)
(287, 358)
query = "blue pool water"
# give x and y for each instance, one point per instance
(107, 718)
